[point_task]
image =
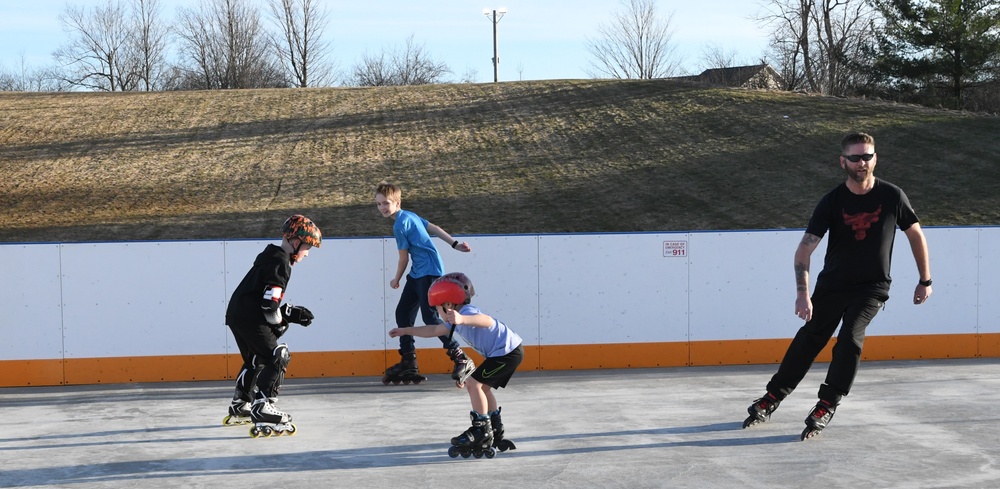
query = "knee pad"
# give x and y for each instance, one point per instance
(281, 357)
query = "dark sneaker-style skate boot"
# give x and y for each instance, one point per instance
(818, 418)
(268, 420)
(761, 409)
(475, 441)
(464, 366)
(499, 442)
(239, 413)
(405, 371)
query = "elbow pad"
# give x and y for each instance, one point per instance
(269, 304)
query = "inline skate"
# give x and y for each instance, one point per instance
(464, 366)
(818, 418)
(239, 413)
(477, 441)
(499, 442)
(268, 420)
(761, 409)
(405, 371)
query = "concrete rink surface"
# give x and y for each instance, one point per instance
(906, 424)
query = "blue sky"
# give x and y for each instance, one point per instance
(537, 39)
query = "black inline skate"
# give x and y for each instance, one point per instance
(239, 413)
(464, 366)
(268, 420)
(404, 372)
(761, 409)
(499, 442)
(818, 418)
(476, 441)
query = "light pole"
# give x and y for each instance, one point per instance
(496, 19)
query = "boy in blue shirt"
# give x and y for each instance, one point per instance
(452, 296)
(413, 240)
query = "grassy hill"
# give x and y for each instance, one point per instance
(525, 157)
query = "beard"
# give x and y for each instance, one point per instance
(858, 175)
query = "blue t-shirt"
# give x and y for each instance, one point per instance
(495, 341)
(410, 231)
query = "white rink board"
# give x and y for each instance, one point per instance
(954, 269)
(743, 284)
(988, 311)
(92, 300)
(340, 283)
(612, 288)
(31, 327)
(504, 272)
(141, 298)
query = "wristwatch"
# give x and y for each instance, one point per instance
(925, 283)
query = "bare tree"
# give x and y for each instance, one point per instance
(715, 56)
(148, 41)
(636, 43)
(95, 56)
(18, 80)
(225, 47)
(299, 41)
(409, 66)
(25, 78)
(817, 43)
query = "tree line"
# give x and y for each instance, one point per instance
(126, 45)
(936, 52)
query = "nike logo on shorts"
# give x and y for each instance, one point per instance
(491, 373)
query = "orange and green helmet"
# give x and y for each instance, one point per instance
(299, 226)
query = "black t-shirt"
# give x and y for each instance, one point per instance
(271, 268)
(862, 230)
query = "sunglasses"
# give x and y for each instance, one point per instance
(857, 158)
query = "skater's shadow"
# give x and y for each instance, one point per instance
(229, 467)
(98, 437)
(311, 465)
(675, 432)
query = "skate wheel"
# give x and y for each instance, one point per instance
(809, 432)
(267, 431)
(505, 445)
(751, 421)
(466, 454)
(385, 381)
(291, 429)
(477, 454)
(417, 381)
(395, 381)
(254, 432)
(453, 452)
(490, 453)
(225, 421)
(406, 381)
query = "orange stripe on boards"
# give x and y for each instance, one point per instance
(19, 373)
(989, 345)
(117, 370)
(616, 355)
(920, 347)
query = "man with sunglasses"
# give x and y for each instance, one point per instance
(861, 216)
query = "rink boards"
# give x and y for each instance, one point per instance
(86, 313)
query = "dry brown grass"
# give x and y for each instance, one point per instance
(527, 157)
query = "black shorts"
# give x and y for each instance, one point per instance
(496, 371)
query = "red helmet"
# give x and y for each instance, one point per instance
(299, 226)
(455, 288)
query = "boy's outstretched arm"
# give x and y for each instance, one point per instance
(429, 331)
(441, 233)
(480, 320)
